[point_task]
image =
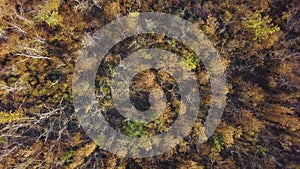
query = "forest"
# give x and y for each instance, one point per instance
(259, 45)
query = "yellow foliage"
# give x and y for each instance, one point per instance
(250, 125)
(286, 69)
(282, 109)
(227, 16)
(211, 25)
(82, 153)
(54, 19)
(272, 40)
(134, 14)
(253, 94)
(191, 165)
(52, 5)
(76, 139)
(7, 117)
(228, 133)
(49, 13)
(285, 15)
(282, 115)
(112, 9)
(260, 27)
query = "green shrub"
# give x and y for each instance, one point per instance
(217, 146)
(189, 60)
(135, 129)
(67, 156)
(260, 27)
(52, 19)
(50, 13)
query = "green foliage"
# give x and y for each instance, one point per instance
(135, 129)
(261, 149)
(2, 140)
(189, 60)
(106, 90)
(53, 19)
(172, 43)
(50, 14)
(216, 146)
(260, 27)
(67, 156)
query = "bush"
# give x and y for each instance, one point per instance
(260, 27)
